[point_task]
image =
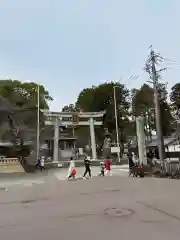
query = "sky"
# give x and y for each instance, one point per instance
(73, 44)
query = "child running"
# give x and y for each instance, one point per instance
(71, 170)
(108, 167)
(102, 168)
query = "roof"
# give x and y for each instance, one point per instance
(10, 144)
(61, 138)
(167, 141)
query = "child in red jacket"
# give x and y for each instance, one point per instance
(108, 167)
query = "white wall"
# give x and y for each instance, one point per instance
(173, 148)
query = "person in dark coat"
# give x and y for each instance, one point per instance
(87, 163)
(130, 158)
(131, 163)
(156, 152)
(38, 162)
(150, 156)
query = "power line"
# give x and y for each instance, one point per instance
(171, 62)
(130, 80)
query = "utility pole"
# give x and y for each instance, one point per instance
(160, 139)
(130, 79)
(38, 123)
(116, 119)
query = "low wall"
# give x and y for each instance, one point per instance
(10, 165)
(9, 161)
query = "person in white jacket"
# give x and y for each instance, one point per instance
(71, 170)
(42, 159)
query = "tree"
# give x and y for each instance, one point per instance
(22, 102)
(166, 118)
(142, 100)
(23, 94)
(143, 104)
(100, 98)
(69, 108)
(175, 99)
(175, 104)
(165, 110)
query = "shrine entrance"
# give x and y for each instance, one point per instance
(60, 119)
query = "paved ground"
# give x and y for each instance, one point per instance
(28, 180)
(114, 207)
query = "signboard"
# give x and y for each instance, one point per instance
(44, 146)
(75, 118)
(115, 149)
(125, 150)
(80, 151)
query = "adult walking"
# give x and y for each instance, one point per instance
(87, 163)
(131, 163)
(150, 156)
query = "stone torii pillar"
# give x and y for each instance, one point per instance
(57, 120)
(93, 139)
(141, 139)
(56, 141)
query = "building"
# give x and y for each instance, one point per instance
(171, 145)
(67, 141)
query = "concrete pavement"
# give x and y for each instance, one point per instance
(100, 208)
(8, 181)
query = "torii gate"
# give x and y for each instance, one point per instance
(57, 120)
